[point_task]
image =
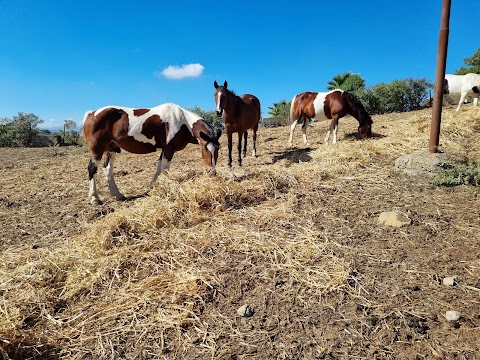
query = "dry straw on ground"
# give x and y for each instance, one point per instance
(294, 235)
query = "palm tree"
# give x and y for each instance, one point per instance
(337, 81)
(348, 82)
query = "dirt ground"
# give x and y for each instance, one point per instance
(324, 279)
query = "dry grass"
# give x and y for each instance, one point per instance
(294, 235)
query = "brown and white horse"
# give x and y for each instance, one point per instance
(333, 105)
(141, 131)
(240, 113)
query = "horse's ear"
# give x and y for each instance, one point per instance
(215, 84)
(225, 84)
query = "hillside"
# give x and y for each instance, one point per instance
(295, 236)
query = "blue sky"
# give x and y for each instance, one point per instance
(59, 59)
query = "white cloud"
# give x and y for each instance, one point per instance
(180, 72)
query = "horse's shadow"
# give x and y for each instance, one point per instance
(354, 136)
(138, 196)
(292, 156)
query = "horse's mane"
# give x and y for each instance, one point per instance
(236, 102)
(356, 106)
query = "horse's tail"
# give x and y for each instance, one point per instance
(292, 109)
(357, 109)
(259, 112)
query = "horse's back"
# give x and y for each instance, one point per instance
(250, 99)
(308, 104)
(251, 111)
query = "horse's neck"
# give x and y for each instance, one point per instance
(233, 110)
(362, 120)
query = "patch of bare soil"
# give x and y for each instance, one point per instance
(294, 235)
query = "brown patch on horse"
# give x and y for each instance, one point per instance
(334, 105)
(140, 112)
(152, 127)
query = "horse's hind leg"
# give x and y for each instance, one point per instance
(245, 135)
(93, 193)
(108, 159)
(306, 121)
(292, 129)
(254, 137)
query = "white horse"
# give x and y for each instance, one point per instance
(464, 85)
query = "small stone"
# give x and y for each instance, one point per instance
(452, 315)
(394, 218)
(245, 310)
(450, 280)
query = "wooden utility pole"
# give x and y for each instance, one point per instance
(440, 76)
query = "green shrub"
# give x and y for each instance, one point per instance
(460, 174)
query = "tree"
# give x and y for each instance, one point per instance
(19, 130)
(210, 116)
(71, 134)
(281, 112)
(473, 64)
(397, 96)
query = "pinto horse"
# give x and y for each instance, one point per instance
(240, 113)
(332, 105)
(141, 131)
(468, 84)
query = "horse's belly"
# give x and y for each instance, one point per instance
(136, 147)
(320, 116)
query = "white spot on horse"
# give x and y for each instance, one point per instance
(211, 148)
(319, 104)
(218, 101)
(176, 116)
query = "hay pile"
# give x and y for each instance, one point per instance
(294, 236)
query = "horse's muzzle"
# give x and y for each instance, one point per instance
(219, 113)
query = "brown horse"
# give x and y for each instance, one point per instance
(333, 105)
(240, 113)
(141, 131)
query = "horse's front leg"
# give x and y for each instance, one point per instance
(245, 135)
(463, 95)
(93, 193)
(333, 128)
(108, 159)
(229, 138)
(163, 164)
(240, 135)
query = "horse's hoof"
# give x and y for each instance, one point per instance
(122, 198)
(96, 202)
